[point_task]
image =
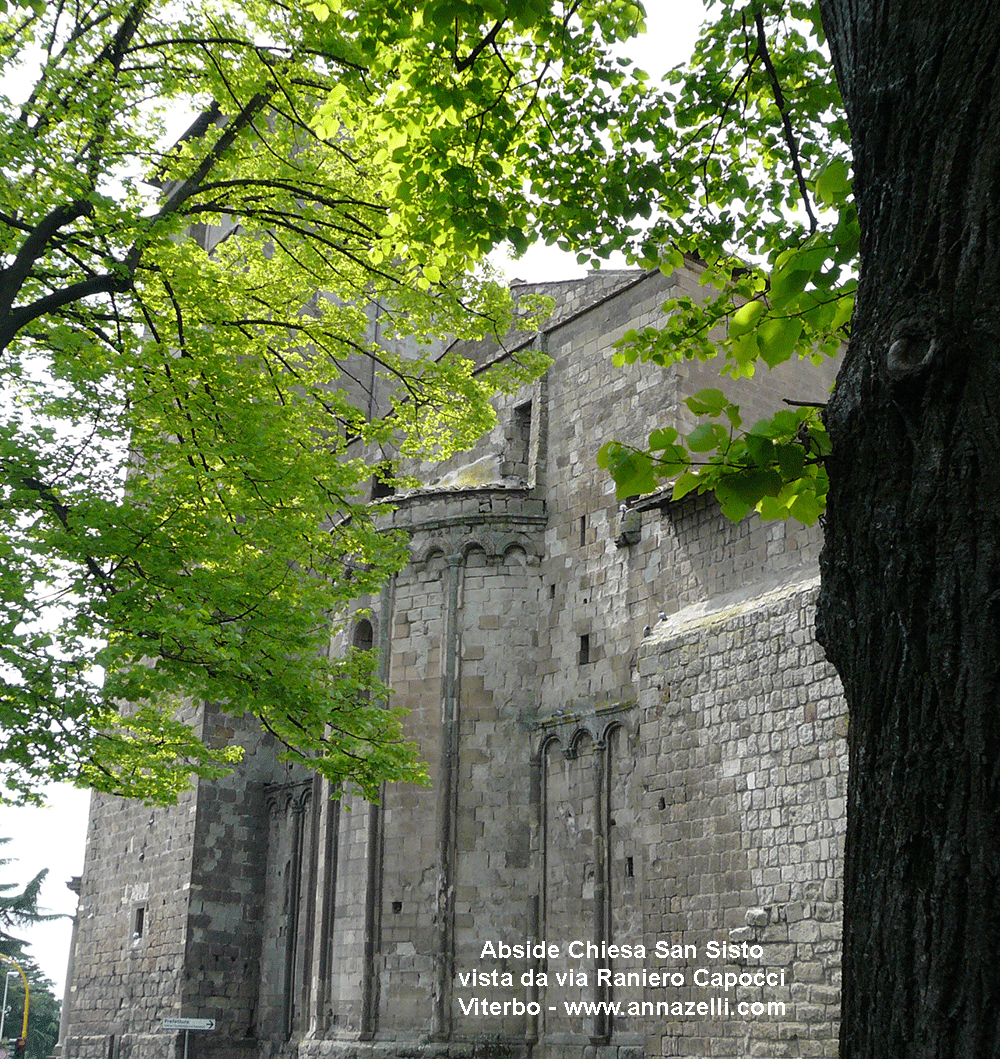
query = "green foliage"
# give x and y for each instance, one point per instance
(775, 467)
(19, 909)
(189, 430)
(43, 1008)
(43, 1012)
(738, 164)
(491, 121)
(755, 190)
(373, 153)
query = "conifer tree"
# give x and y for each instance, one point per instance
(18, 908)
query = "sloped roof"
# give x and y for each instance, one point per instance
(571, 296)
(574, 296)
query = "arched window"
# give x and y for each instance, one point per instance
(364, 636)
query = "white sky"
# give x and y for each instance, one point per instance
(53, 837)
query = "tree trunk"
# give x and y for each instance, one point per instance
(910, 606)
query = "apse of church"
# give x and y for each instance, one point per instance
(637, 777)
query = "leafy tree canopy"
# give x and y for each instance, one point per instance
(375, 155)
(755, 181)
(496, 120)
(739, 159)
(246, 401)
(43, 1010)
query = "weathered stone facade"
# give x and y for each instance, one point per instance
(633, 741)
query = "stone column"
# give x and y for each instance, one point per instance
(292, 922)
(330, 824)
(600, 1034)
(373, 886)
(447, 795)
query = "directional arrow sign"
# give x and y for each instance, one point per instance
(189, 1024)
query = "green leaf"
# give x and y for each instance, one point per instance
(733, 507)
(760, 448)
(710, 402)
(662, 439)
(833, 184)
(705, 437)
(320, 11)
(786, 283)
(686, 483)
(777, 338)
(633, 475)
(750, 486)
(517, 239)
(791, 460)
(746, 318)
(806, 507)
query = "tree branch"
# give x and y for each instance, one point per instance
(786, 124)
(461, 65)
(193, 183)
(34, 247)
(109, 283)
(62, 512)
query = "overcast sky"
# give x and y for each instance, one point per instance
(54, 837)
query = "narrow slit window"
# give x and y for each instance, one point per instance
(364, 635)
(138, 922)
(382, 482)
(364, 640)
(520, 442)
(584, 649)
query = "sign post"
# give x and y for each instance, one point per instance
(187, 1025)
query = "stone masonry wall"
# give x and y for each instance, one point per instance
(170, 909)
(596, 586)
(744, 773)
(409, 899)
(226, 889)
(493, 870)
(631, 739)
(137, 858)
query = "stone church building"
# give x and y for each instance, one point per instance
(632, 841)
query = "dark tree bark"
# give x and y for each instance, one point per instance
(910, 606)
